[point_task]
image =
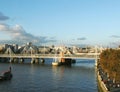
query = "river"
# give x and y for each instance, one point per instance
(80, 77)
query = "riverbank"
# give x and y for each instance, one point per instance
(105, 83)
(101, 84)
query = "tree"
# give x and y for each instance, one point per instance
(110, 62)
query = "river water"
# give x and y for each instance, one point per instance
(80, 77)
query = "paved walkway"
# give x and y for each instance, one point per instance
(109, 83)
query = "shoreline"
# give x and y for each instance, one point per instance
(104, 83)
(101, 84)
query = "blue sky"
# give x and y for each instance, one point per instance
(93, 22)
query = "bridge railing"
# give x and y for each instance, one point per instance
(87, 55)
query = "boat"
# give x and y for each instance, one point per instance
(62, 61)
(7, 75)
(56, 62)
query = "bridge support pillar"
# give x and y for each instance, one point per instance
(42, 60)
(37, 60)
(32, 60)
(15, 60)
(21, 60)
(11, 60)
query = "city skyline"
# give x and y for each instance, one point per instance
(94, 22)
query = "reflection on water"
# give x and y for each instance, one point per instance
(58, 72)
(80, 77)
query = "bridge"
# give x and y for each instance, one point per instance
(36, 57)
(72, 56)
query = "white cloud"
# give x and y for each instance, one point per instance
(17, 33)
(3, 27)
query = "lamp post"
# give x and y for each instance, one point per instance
(96, 58)
(31, 51)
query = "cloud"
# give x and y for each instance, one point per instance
(3, 17)
(115, 36)
(17, 33)
(82, 38)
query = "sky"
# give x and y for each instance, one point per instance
(69, 22)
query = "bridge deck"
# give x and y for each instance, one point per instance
(73, 56)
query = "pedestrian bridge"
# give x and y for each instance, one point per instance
(72, 56)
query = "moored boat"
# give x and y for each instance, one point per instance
(56, 62)
(7, 75)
